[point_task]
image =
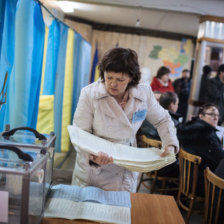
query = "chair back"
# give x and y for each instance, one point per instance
(214, 198)
(153, 176)
(188, 169)
(149, 142)
(188, 178)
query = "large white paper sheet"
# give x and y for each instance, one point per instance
(135, 159)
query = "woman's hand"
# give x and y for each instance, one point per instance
(168, 149)
(101, 159)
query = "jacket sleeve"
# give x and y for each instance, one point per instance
(161, 120)
(83, 116)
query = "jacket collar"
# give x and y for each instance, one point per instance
(102, 92)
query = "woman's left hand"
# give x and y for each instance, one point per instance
(168, 149)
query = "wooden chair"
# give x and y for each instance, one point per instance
(188, 171)
(214, 198)
(153, 175)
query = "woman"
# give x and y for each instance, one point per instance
(161, 82)
(114, 108)
(199, 138)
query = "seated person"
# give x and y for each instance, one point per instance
(199, 137)
(169, 101)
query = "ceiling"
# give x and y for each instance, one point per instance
(175, 16)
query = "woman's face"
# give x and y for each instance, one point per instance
(165, 77)
(210, 116)
(116, 83)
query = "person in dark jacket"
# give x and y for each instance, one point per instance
(199, 137)
(220, 169)
(215, 91)
(182, 88)
(169, 101)
(204, 83)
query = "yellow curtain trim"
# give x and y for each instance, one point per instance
(67, 96)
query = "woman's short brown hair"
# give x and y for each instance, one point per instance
(162, 71)
(121, 60)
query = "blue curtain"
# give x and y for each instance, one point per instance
(26, 47)
(21, 55)
(51, 58)
(29, 45)
(82, 62)
(2, 16)
(8, 10)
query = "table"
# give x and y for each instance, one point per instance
(146, 209)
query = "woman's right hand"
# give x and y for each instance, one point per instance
(101, 159)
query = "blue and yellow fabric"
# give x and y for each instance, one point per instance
(22, 58)
(71, 73)
(95, 73)
(47, 67)
(45, 123)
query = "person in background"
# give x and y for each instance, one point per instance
(199, 137)
(215, 91)
(204, 83)
(114, 108)
(169, 101)
(182, 88)
(161, 82)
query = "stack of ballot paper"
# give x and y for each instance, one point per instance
(90, 203)
(134, 159)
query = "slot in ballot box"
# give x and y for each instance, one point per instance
(22, 185)
(28, 138)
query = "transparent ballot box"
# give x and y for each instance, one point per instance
(22, 185)
(29, 139)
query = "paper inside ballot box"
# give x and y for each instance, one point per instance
(89, 203)
(137, 159)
